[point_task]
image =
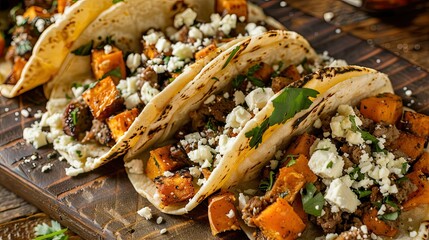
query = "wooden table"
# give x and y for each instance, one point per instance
(405, 34)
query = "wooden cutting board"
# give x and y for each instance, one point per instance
(103, 204)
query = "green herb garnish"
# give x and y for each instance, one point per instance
(402, 179)
(286, 105)
(74, 116)
(389, 216)
(84, 50)
(44, 231)
(253, 69)
(363, 193)
(330, 164)
(237, 81)
(365, 135)
(79, 153)
(356, 174)
(267, 184)
(116, 1)
(404, 168)
(312, 202)
(256, 81)
(215, 78)
(113, 73)
(292, 160)
(322, 149)
(231, 56)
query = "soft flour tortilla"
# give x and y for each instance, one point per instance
(271, 48)
(125, 23)
(53, 46)
(345, 85)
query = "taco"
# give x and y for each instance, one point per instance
(116, 81)
(42, 36)
(205, 123)
(351, 166)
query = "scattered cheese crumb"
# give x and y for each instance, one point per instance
(230, 214)
(145, 212)
(159, 220)
(164, 230)
(328, 16)
(47, 167)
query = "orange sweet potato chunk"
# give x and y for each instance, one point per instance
(205, 51)
(103, 99)
(385, 107)
(376, 225)
(421, 196)
(280, 221)
(103, 63)
(237, 7)
(222, 213)
(120, 123)
(422, 164)
(409, 144)
(417, 123)
(175, 189)
(161, 160)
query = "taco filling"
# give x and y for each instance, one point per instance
(100, 112)
(201, 144)
(354, 176)
(29, 23)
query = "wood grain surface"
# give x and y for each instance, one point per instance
(103, 204)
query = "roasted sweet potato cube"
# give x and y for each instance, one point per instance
(417, 123)
(422, 164)
(222, 213)
(205, 51)
(17, 68)
(34, 11)
(120, 123)
(377, 226)
(166, 158)
(280, 221)
(385, 107)
(103, 99)
(237, 7)
(175, 189)
(150, 51)
(301, 145)
(409, 144)
(287, 185)
(108, 64)
(299, 163)
(421, 196)
(298, 207)
(291, 72)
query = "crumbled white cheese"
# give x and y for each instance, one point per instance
(325, 161)
(132, 101)
(40, 25)
(208, 29)
(133, 61)
(107, 49)
(20, 20)
(195, 33)
(182, 50)
(201, 154)
(341, 125)
(210, 99)
(163, 231)
(152, 37)
(77, 91)
(254, 30)
(331, 236)
(148, 92)
(25, 113)
(163, 45)
(230, 214)
(159, 220)
(186, 17)
(145, 212)
(258, 98)
(242, 200)
(168, 174)
(338, 63)
(35, 136)
(339, 194)
(413, 234)
(195, 172)
(238, 117)
(228, 23)
(47, 167)
(135, 166)
(239, 97)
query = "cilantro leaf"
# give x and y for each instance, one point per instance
(389, 216)
(404, 168)
(84, 50)
(256, 81)
(237, 81)
(363, 193)
(253, 69)
(330, 164)
(44, 231)
(312, 202)
(114, 73)
(231, 56)
(256, 133)
(267, 184)
(74, 116)
(365, 135)
(289, 102)
(286, 105)
(292, 160)
(116, 1)
(356, 174)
